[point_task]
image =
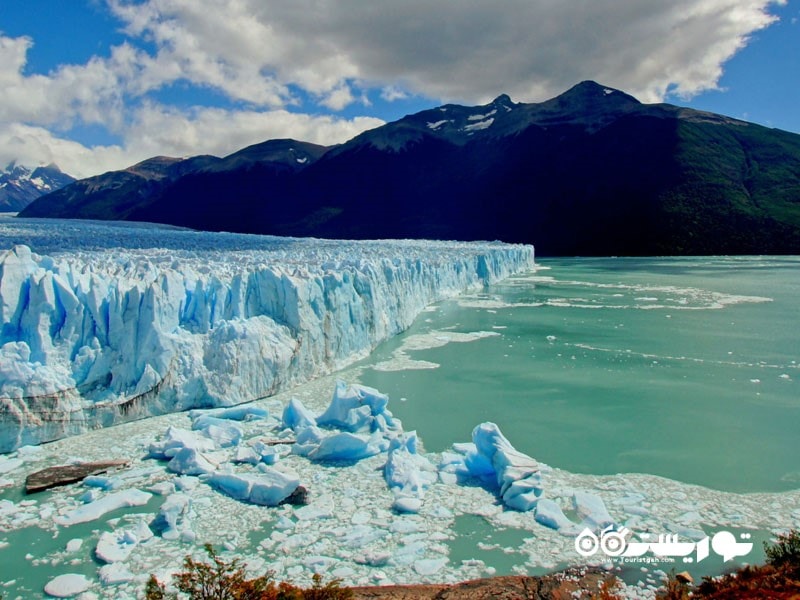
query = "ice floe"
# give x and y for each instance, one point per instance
(67, 585)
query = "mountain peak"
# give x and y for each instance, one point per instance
(591, 91)
(503, 100)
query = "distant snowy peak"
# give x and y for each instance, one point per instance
(20, 185)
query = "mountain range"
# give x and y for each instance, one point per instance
(590, 172)
(19, 185)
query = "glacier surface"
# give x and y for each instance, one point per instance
(102, 323)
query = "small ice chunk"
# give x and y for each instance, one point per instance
(404, 504)
(321, 509)
(517, 475)
(115, 546)
(74, 545)
(172, 516)
(189, 461)
(115, 574)
(429, 566)
(224, 433)
(345, 446)
(243, 412)
(162, 488)
(246, 454)
(176, 439)
(308, 439)
(408, 473)
(9, 464)
(269, 488)
(357, 408)
(67, 585)
(103, 482)
(98, 508)
(296, 416)
(142, 531)
(592, 510)
(549, 514)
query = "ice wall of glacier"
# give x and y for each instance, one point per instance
(117, 322)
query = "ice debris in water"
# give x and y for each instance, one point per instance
(268, 488)
(173, 516)
(592, 510)
(221, 431)
(98, 508)
(346, 446)
(246, 412)
(115, 546)
(67, 585)
(176, 439)
(358, 408)
(296, 416)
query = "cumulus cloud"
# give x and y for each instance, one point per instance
(468, 50)
(216, 131)
(35, 146)
(89, 93)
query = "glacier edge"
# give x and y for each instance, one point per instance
(93, 338)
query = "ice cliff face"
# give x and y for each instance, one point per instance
(144, 322)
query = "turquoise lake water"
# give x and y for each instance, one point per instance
(682, 367)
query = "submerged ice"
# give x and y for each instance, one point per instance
(157, 321)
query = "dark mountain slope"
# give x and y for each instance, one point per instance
(592, 171)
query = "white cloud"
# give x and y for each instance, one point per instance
(470, 51)
(220, 132)
(391, 93)
(35, 146)
(91, 93)
(339, 98)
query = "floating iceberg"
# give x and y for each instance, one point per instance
(408, 473)
(98, 508)
(268, 488)
(176, 439)
(347, 447)
(296, 416)
(119, 323)
(67, 585)
(173, 516)
(491, 457)
(358, 408)
(115, 546)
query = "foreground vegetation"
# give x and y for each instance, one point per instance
(778, 579)
(220, 580)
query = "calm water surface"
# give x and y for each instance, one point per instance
(680, 367)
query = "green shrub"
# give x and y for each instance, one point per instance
(785, 554)
(220, 580)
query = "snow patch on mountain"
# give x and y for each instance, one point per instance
(479, 125)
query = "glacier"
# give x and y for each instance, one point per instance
(102, 323)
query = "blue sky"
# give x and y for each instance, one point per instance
(100, 84)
